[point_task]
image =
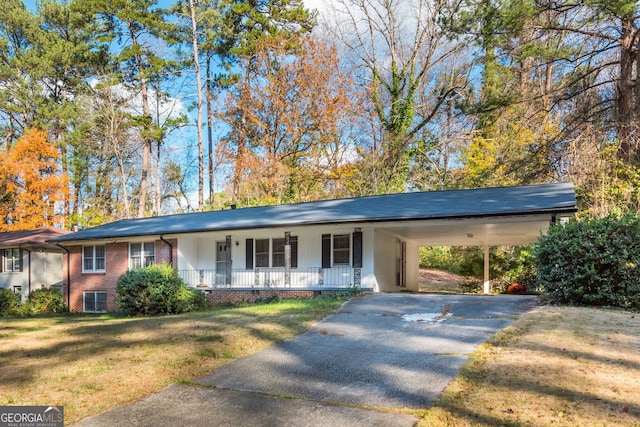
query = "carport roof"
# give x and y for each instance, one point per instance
(555, 198)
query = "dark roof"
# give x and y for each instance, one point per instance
(33, 239)
(501, 201)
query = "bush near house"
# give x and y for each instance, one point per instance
(45, 301)
(155, 290)
(9, 303)
(40, 301)
(591, 262)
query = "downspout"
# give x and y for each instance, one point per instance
(170, 251)
(68, 273)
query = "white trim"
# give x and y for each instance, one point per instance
(95, 293)
(143, 259)
(93, 259)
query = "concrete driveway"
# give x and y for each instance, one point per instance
(382, 350)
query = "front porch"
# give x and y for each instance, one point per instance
(313, 278)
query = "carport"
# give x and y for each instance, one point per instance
(516, 216)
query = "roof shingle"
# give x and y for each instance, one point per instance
(499, 201)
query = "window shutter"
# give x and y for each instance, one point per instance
(326, 251)
(249, 254)
(357, 249)
(294, 251)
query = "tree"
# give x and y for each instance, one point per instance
(606, 59)
(290, 117)
(568, 70)
(400, 50)
(137, 25)
(509, 151)
(32, 183)
(190, 11)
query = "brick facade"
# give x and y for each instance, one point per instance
(76, 282)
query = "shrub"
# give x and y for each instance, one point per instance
(45, 300)
(154, 290)
(592, 262)
(9, 302)
(507, 263)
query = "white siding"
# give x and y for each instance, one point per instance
(196, 255)
(45, 269)
(386, 252)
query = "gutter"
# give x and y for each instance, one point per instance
(170, 249)
(68, 273)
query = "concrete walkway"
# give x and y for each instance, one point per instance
(381, 350)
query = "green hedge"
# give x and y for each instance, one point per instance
(9, 303)
(155, 290)
(591, 262)
(40, 301)
(45, 301)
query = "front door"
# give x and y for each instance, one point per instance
(221, 263)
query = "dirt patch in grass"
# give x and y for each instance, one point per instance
(553, 366)
(92, 363)
(440, 281)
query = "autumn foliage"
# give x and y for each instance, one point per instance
(31, 183)
(288, 117)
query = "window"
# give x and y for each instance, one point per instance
(93, 258)
(341, 249)
(262, 253)
(277, 255)
(17, 290)
(142, 255)
(277, 252)
(12, 260)
(95, 301)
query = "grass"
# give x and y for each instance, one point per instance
(554, 366)
(92, 363)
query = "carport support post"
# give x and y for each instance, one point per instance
(486, 285)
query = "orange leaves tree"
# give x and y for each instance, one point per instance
(288, 118)
(31, 183)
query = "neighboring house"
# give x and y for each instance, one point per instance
(29, 262)
(305, 248)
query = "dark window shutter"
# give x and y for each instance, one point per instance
(294, 251)
(326, 251)
(357, 249)
(249, 254)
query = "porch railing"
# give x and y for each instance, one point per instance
(265, 278)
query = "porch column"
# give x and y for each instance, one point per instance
(486, 285)
(227, 280)
(287, 259)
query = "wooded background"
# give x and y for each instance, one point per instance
(282, 104)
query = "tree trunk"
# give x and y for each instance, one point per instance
(196, 62)
(209, 97)
(626, 108)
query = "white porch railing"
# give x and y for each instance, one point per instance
(266, 278)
